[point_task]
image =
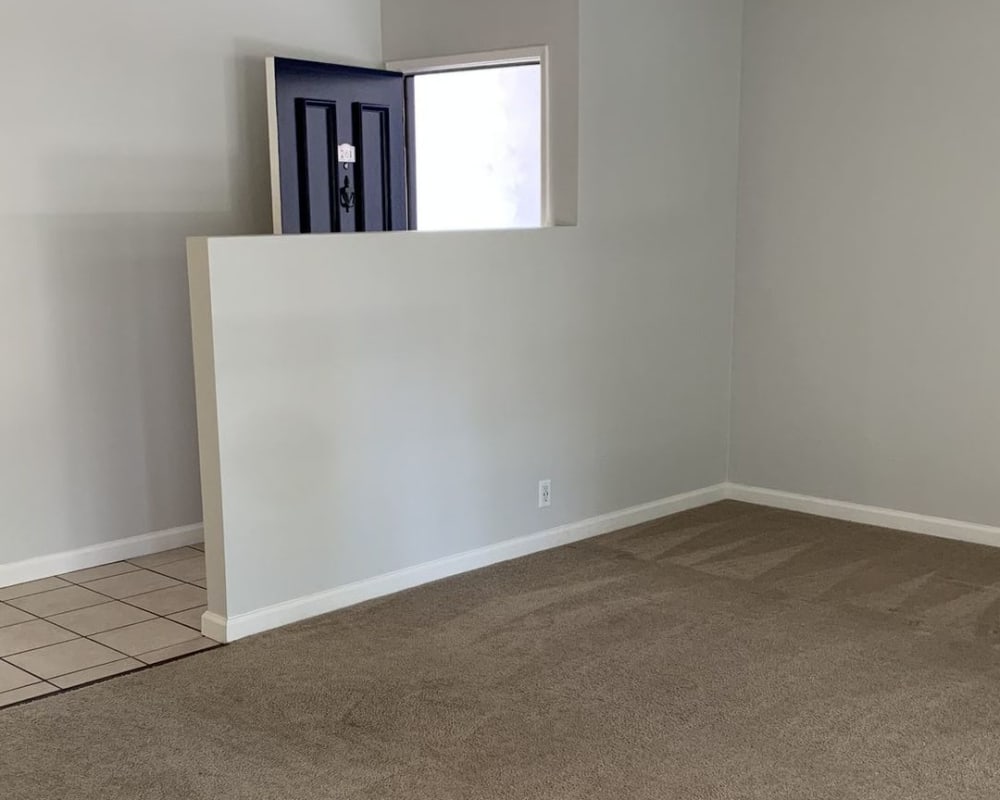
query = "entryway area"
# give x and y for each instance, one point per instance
(64, 632)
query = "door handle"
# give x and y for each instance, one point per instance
(348, 198)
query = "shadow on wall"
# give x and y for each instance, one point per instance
(111, 357)
(100, 424)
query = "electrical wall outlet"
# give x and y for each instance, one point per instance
(544, 494)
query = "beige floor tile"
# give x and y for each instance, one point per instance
(190, 569)
(97, 673)
(199, 547)
(48, 604)
(35, 587)
(13, 678)
(165, 557)
(146, 636)
(132, 583)
(202, 583)
(12, 616)
(96, 573)
(97, 619)
(26, 693)
(178, 650)
(62, 659)
(191, 617)
(31, 636)
(172, 600)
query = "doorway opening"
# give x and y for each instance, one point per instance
(477, 142)
(446, 144)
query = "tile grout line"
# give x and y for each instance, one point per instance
(39, 682)
(43, 591)
(108, 599)
(109, 678)
(96, 666)
(164, 563)
(7, 660)
(164, 616)
(76, 635)
(165, 588)
(12, 624)
(89, 636)
(165, 575)
(124, 656)
(25, 671)
(178, 582)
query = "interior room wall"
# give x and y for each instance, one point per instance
(429, 28)
(390, 399)
(125, 128)
(866, 365)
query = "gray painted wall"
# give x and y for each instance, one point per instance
(387, 400)
(126, 127)
(867, 331)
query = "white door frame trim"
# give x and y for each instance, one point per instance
(272, 141)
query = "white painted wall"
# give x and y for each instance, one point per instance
(125, 128)
(867, 360)
(386, 400)
(431, 28)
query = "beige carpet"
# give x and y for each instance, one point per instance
(730, 652)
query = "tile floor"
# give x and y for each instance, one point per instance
(60, 633)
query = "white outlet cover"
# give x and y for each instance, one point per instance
(544, 494)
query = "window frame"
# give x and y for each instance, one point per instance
(468, 61)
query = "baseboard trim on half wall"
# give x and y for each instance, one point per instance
(34, 569)
(867, 515)
(230, 629)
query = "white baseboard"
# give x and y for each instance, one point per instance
(60, 563)
(867, 515)
(230, 629)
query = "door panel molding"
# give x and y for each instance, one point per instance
(368, 162)
(307, 190)
(314, 107)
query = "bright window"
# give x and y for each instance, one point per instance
(478, 148)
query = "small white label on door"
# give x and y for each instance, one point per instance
(346, 154)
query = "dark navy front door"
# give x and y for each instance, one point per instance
(339, 162)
